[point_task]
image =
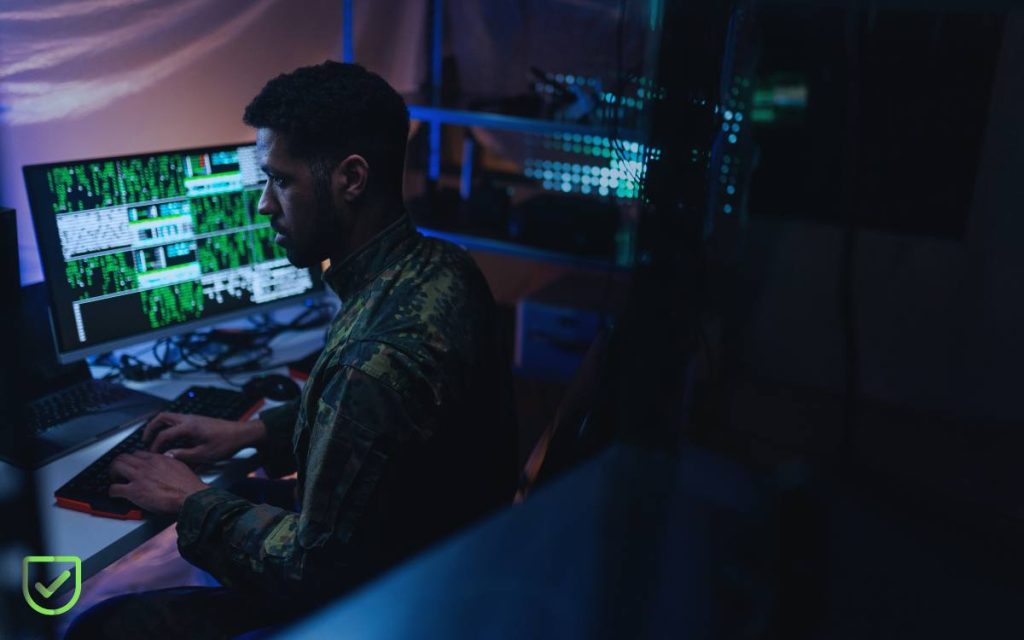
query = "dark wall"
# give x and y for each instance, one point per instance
(995, 300)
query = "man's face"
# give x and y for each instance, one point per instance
(300, 213)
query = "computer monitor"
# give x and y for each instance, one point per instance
(144, 246)
(9, 295)
(907, 150)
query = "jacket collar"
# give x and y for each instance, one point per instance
(357, 270)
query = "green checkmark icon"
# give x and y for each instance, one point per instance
(46, 592)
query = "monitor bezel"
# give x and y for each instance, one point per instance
(48, 244)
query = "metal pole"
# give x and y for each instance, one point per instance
(347, 43)
(436, 38)
(468, 160)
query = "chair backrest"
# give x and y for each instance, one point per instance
(558, 448)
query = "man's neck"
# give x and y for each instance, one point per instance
(367, 222)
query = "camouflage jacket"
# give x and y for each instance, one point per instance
(404, 431)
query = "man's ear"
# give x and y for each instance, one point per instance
(349, 178)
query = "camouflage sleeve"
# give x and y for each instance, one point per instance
(276, 453)
(362, 422)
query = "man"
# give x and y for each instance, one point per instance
(405, 428)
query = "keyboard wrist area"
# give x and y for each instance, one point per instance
(255, 433)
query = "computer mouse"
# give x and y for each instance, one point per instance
(273, 386)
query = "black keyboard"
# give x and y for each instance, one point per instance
(82, 398)
(88, 491)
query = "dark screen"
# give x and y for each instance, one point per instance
(905, 93)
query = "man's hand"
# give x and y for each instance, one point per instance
(156, 483)
(209, 439)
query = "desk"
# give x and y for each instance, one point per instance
(100, 541)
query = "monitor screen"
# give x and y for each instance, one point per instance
(886, 109)
(139, 247)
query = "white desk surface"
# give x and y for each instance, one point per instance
(100, 541)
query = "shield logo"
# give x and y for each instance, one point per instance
(46, 591)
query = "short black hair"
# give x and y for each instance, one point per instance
(333, 109)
